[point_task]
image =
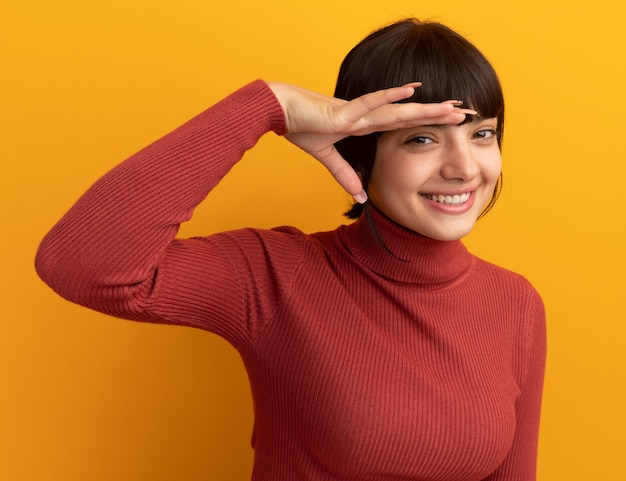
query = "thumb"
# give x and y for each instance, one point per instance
(343, 173)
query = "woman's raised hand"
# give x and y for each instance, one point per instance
(315, 122)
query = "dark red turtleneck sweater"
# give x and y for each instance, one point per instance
(427, 366)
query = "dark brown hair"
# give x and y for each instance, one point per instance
(448, 66)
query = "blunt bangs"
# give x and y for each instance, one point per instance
(450, 68)
(448, 65)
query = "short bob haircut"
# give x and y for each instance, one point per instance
(448, 66)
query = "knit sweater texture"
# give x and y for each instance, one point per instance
(425, 365)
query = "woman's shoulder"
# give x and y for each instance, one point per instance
(506, 280)
(518, 301)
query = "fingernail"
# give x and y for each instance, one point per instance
(361, 197)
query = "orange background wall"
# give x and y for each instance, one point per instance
(85, 84)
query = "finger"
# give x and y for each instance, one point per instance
(361, 106)
(455, 116)
(343, 173)
(399, 116)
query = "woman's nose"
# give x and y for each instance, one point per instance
(459, 163)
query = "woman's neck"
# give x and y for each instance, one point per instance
(403, 255)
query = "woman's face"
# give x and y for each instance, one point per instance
(436, 180)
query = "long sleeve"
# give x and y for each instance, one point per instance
(521, 462)
(117, 241)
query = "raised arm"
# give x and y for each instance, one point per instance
(113, 246)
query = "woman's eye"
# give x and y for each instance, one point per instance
(485, 134)
(420, 140)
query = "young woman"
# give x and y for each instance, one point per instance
(382, 350)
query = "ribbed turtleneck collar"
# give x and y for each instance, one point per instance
(418, 259)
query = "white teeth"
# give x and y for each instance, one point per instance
(449, 199)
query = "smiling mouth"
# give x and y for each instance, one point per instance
(449, 199)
